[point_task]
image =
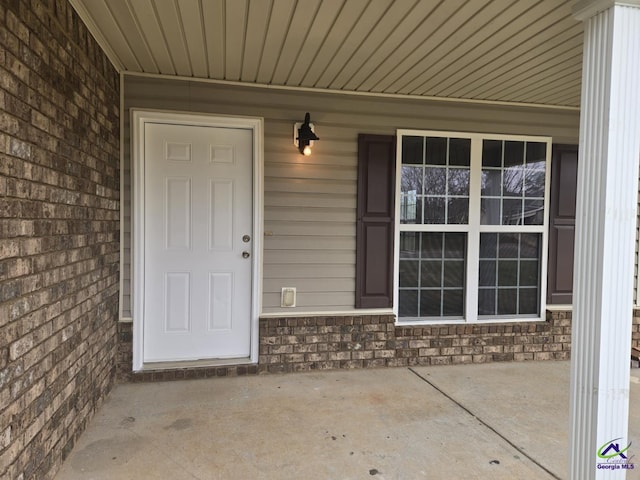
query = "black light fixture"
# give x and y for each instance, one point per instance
(305, 135)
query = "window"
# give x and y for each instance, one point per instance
(471, 226)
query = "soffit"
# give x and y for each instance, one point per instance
(496, 50)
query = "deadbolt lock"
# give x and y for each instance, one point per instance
(246, 238)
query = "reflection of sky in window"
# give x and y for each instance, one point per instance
(531, 174)
(513, 195)
(534, 179)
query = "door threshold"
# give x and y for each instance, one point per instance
(207, 362)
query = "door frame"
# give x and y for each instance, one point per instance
(139, 119)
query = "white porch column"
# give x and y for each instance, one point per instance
(605, 236)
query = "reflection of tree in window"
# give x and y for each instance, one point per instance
(411, 190)
(435, 196)
(408, 207)
(513, 183)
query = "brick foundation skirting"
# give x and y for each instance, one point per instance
(301, 344)
(320, 343)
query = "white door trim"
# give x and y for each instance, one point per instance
(139, 119)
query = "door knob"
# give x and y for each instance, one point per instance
(245, 254)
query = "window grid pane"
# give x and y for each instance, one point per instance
(509, 274)
(513, 182)
(435, 175)
(432, 274)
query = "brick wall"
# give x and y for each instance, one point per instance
(298, 344)
(301, 344)
(635, 329)
(295, 344)
(59, 233)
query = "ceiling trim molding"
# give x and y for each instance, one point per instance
(354, 93)
(97, 34)
(585, 9)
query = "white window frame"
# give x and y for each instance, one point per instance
(473, 228)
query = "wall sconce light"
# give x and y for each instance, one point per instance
(303, 135)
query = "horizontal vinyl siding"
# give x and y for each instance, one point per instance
(309, 212)
(310, 202)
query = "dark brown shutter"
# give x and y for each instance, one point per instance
(562, 221)
(375, 221)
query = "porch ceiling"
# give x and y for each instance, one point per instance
(497, 50)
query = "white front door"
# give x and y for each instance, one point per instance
(198, 197)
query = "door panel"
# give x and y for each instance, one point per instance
(198, 206)
(221, 221)
(220, 291)
(176, 295)
(178, 213)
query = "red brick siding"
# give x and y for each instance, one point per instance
(59, 233)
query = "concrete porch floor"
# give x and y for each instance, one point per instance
(491, 421)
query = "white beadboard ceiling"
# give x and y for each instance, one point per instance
(524, 51)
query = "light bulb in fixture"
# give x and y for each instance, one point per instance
(304, 135)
